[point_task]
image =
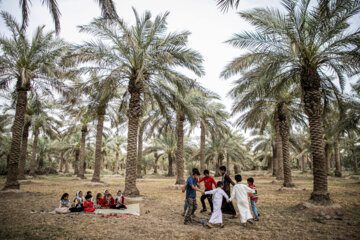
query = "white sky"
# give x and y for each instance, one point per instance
(209, 27)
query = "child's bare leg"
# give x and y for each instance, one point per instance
(209, 225)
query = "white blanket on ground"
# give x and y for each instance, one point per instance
(132, 209)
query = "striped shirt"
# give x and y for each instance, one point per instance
(255, 197)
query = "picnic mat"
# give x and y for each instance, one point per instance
(132, 209)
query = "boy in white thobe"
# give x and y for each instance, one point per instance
(216, 216)
(240, 191)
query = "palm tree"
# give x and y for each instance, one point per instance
(263, 145)
(275, 101)
(140, 56)
(77, 109)
(231, 146)
(212, 120)
(317, 42)
(32, 63)
(41, 120)
(164, 145)
(224, 5)
(348, 125)
(107, 10)
(101, 90)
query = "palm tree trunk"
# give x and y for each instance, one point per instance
(33, 154)
(270, 162)
(228, 164)
(217, 166)
(354, 160)
(221, 159)
(76, 163)
(283, 114)
(116, 170)
(303, 163)
(274, 158)
(17, 128)
(279, 153)
(202, 147)
(102, 165)
(82, 153)
(61, 162)
(237, 169)
(140, 152)
(66, 165)
(134, 113)
(98, 146)
(327, 157)
(310, 84)
(23, 154)
(180, 118)
(156, 156)
(337, 157)
(170, 170)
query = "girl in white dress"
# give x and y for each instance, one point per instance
(216, 216)
(240, 191)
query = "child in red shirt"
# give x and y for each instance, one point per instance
(253, 198)
(108, 200)
(208, 182)
(99, 203)
(119, 201)
(88, 204)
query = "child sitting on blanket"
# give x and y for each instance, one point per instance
(108, 200)
(219, 194)
(64, 204)
(119, 201)
(241, 191)
(88, 204)
(90, 193)
(99, 201)
(78, 204)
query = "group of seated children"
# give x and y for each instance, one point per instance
(240, 191)
(88, 205)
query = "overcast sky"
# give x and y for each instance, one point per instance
(209, 27)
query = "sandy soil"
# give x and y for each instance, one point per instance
(280, 218)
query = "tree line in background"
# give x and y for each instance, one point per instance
(67, 104)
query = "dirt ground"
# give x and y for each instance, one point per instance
(280, 218)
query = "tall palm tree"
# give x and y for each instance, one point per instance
(303, 42)
(41, 121)
(275, 101)
(31, 63)
(107, 10)
(140, 55)
(263, 145)
(212, 120)
(101, 90)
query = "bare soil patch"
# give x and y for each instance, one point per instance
(161, 207)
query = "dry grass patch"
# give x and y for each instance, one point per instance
(280, 218)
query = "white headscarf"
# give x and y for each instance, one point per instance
(119, 197)
(78, 197)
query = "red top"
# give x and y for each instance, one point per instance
(208, 181)
(254, 196)
(88, 204)
(108, 201)
(100, 202)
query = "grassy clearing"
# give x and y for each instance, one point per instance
(279, 217)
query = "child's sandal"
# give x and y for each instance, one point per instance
(222, 225)
(208, 226)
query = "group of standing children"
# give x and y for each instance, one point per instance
(222, 202)
(87, 204)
